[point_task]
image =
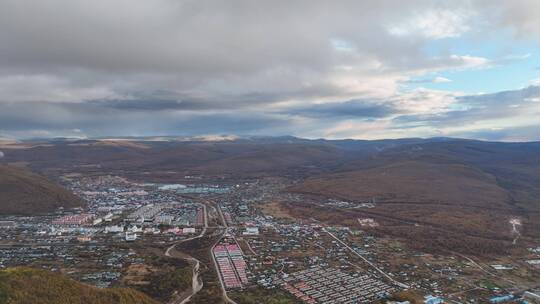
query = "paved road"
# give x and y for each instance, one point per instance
(196, 283)
(223, 289)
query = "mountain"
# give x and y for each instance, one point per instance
(411, 181)
(454, 192)
(26, 193)
(448, 194)
(26, 285)
(243, 156)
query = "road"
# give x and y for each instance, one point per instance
(197, 283)
(223, 289)
(367, 261)
(482, 268)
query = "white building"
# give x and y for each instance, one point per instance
(108, 217)
(251, 231)
(135, 229)
(130, 237)
(97, 221)
(114, 229)
(188, 230)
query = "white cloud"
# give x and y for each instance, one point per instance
(424, 101)
(440, 79)
(434, 24)
(517, 57)
(535, 82)
(468, 61)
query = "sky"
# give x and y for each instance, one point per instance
(314, 69)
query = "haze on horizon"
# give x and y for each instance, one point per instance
(339, 69)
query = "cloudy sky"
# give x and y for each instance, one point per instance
(332, 69)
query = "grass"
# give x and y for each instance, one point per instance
(262, 296)
(35, 286)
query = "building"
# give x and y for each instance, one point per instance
(84, 239)
(533, 296)
(74, 220)
(135, 229)
(433, 300)
(97, 221)
(108, 217)
(151, 230)
(188, 230)
(114, 229)
(130, 237)
(7, 224)
(251, 231)
(501, 299)
(164, 219)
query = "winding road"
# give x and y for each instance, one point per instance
(197, 283)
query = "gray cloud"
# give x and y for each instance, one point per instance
(349, 109)
(511, 97)
(98, 119)
(512, 115)
(180, 66)
(152, 104)
(507, 134)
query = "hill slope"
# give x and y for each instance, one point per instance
(25, 285)
(26, 193)
(411, 181)
(459, 194)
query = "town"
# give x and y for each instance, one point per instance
(255, 245)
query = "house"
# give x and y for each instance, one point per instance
(130, 237)
(251, 231)
(114, 229)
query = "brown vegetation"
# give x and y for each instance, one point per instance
(23, 192)
(26, 285)
(411, 181)
(434, 235)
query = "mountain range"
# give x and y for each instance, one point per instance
(467, 190)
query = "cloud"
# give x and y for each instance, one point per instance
(440, 79)
(522, 16)
(517, 57)
(535, 82)
(304, 67)
(437, 79)
(360, 109)
(467, 61)
(27, 120)
(477, 116)
(512, 134)
(503, 98)
(436, 24)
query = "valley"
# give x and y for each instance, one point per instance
(277, 220)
